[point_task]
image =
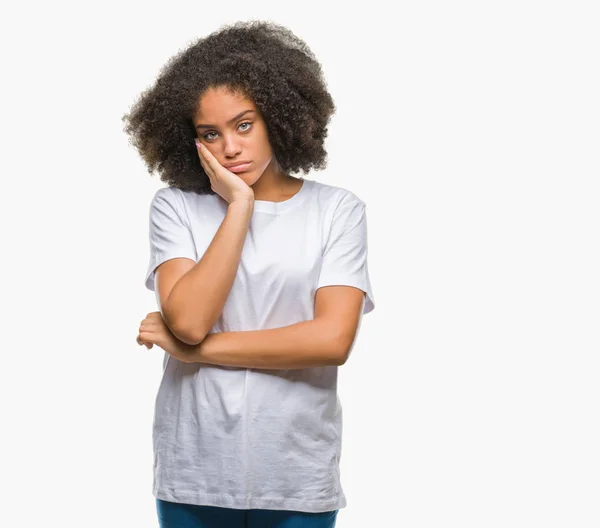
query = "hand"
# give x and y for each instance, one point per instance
(154, 331)
(225, 183)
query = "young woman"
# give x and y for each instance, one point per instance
(261, 279)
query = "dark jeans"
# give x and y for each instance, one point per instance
(177, 515)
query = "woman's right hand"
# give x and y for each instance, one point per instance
(225, 183)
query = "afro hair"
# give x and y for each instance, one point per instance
(263, 61)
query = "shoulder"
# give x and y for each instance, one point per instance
(332, 197)
(165, 196)
(162, 194)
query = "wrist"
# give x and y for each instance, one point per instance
(242, 206)
(197, 353)
(246, 200)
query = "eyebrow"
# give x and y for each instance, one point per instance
(228, 122)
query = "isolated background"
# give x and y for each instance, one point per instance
(470, 129)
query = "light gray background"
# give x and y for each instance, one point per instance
(470, 129)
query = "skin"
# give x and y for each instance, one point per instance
(245, 138)
(154, 331)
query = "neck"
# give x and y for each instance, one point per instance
(274, 185)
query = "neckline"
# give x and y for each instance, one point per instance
(264, 206)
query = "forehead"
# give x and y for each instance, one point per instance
(220, 104)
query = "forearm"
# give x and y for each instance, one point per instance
(301, 345)
(198, 298)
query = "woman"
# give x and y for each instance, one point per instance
(261, 279)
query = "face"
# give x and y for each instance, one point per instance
(232, 128)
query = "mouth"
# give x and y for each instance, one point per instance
(239, 168)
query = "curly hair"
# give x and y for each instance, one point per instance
(261, 60)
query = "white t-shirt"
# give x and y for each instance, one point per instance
(257, 438)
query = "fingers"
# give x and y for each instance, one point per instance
(140, 342)
(147, 326)
(153, 323)
(207, 154)
(206, 159)
(205, 163)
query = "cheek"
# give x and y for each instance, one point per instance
(265, 150)
(261, 140)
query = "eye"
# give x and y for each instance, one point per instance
(245, 130)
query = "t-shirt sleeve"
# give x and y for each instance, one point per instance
(169, 236)
(345, 256)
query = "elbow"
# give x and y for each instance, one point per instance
(188, 338)
(186, 334)
(343, 348)
(341, 358)
(181, 328)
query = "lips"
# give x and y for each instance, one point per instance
(239, 168)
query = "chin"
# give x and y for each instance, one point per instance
(249, 178)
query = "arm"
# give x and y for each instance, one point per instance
(302, 345)
(325, 340)
(197, 299)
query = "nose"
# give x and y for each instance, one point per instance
(232, 147)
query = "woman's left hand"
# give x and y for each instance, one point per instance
(154, 331)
